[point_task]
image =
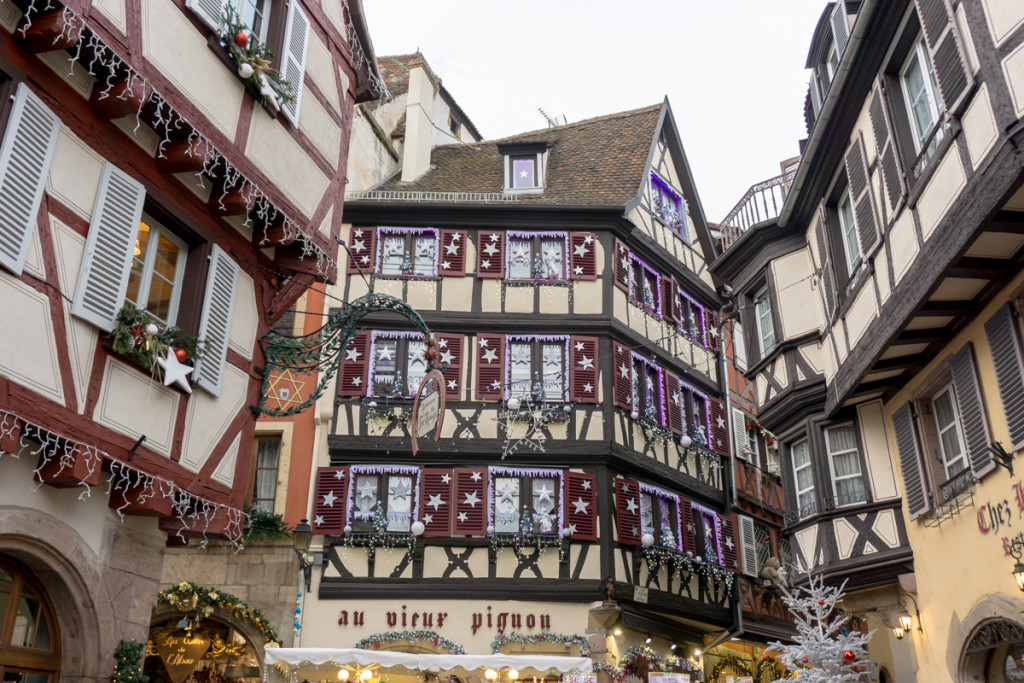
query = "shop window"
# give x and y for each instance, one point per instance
(29, 639)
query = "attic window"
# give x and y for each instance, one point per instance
(524, 167)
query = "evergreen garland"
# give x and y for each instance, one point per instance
(738, 667)
(543, 637)
(374, 641)
(128, 663)
(188, 596)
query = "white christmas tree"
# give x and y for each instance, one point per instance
(825, 647)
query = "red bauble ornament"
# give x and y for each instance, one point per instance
(764, 657)
(821, 602)
(858, 669)
(849, 656)
(241, 39)
(432, 354)
(376, 646)
(181, 355)
(435, 641)
(804, 660)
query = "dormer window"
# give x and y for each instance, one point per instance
(524, 167)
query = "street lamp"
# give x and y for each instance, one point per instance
(302, 536)
(1018, 567)
(905, 622)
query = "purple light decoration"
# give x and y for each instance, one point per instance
(373, 350)
(707, 409)
(356, 470)
(673, 498)
(510, 339)
(714, 515)
(657, 285)
(529, 472)
(657, 184)
(661, 387)
(564, 236)
(402, 231)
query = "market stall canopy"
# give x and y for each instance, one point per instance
(324, 663)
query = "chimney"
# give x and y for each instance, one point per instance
(419, 113)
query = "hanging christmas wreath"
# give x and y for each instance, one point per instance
(374, 642)
(140, 340)
(545, 637)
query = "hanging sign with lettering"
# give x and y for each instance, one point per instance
(428, 409)
(181, 652)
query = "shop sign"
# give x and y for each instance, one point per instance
(995, 517)
(428, 408)
(489, 620)
(661, 677)
(640, 594)
(579, 678)
(181, 652)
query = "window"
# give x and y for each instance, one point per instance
(383, 498)
(397, 363)
(950, 434)
(763, 318)
(454, 126)
(762, 545)
(668, 207)
(832, 62)
(524, 166)
(707, 543)
(644, 285)
(647, 384)
(920, 92)
(659, 516)
(254, 14)
(407, 252)
(526, 501)
(264, 489)
(158, 267)
(848, 226)
(536, 256)
(537, 367)
(31, 637)
(803, 478)
(844, 460)
(698, 405)
(524, 172)
(693, 320)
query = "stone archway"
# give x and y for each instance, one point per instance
(992, 630)
(71, 573)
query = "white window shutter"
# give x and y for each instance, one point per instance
(739, 345)
(103, 279)
(748, 545)
(210, 11)
(293, 59)
(739, 434)
(215, 324)
(25, 156)
(840, 29)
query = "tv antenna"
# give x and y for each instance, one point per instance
(552, 121)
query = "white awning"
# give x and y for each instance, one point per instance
(324, 663)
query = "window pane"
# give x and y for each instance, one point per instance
(519, 266)
(384, 367)
(506, 504)
(158, 303)
(544, 516)
(850, 490)
(523, 173)
(842, 439)
(426, 252)
(849, 226)
(134, 282)
(399, 503)
(520, 368)
(666, 533)
(417, 366)
(846, 464)
(25, 623)
(43, 633)
(392, 254)
(944, 409)
(166, 262)
(366, 497)
(801, 456)
(554, 389)
(553, 259)
(646, 513)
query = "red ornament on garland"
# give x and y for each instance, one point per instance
(764, 657)
(181, 354)
(804, 660)
(242, 39)
(858, 669)
(376, 646)
(849, 656)
(821, 602)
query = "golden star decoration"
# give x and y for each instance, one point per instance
(285, 388)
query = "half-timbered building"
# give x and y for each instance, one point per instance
(882, 310)
(167, 190)
(576, 497)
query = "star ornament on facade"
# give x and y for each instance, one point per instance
(285, 388)
(446, 265)
(451, 250)
(720, 421)
(490, 355)
(587, 363)
(365, 260)
(447, 357)
(475, 476)
(585, 484)
(728, 542)
(490, 249)
(358, 246)
(175, 372)
(400, 491)
(588, 388)
(367, 490)
(463, 516)
(482, 343)
(339, 475)
(485, 265)
(428, 519)
(329, 499)
(436, 502)
(451, 384)
(581, 506)
(581, 250)
(353, 354)
(623, 370)
(446, 478)
(384, 353)
(318, 520)
(577, 270)
(631, 506)
(544, 494)
(571, 529)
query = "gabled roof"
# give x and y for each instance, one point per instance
(394, 71)
(596, 162)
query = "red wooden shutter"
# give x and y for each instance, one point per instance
(490, 254)
(674, 403)
(580, 505)
(490, 366)
(622, 367)
(450, 347)
(583, 258)
(621, 266)
(583, 369)
(361, 243)
(627, 511)
(355, 361)
(470, 502)
(668, 300)
(711, 331)
(452, 259)
(436, 501)
(330, 500)
(728, 541)
(689, 531)
(718, 425)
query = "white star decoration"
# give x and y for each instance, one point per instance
(578, 346)
(490, 355)
(357, 381)
(175, 372)
(588, 387)
(490, 249)
(676, 398)
(495, 384)
(451, 249)
(581, 250)
(456, 236)
(319, 520)
(636, 532)
(625, 263)
(589, 239)
(353, 354)
(631, 506)
(427, 519)
(367, 490)
(400, 491)
(728, 542)
(329, 499)
(446, 478)
(581, 506)
(494, 237)
(720, 422)
(585, 484)
(339, 475)
(436, 502)
(475, 476)
(623, 370)
(463, 516)
(358, 246)
(384, 353)
(713, 331)
(485, 265)
(571, 529)
(577, 270)
(544, 494)
(446, 265)
(482, 342)
(689, 527)
(447, 357)
(451, 384)
(587, 363)
(357, 233)
(442, 343)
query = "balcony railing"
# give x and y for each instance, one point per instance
(761, 202)
(759, 487)
(451, 197)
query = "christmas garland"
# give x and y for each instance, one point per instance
(411, 636)
(131, 339)
(128, 657)
(738, 665)
(616, 671)
(769, 438)
(544, 637)
(188, 597)
(253, 59)
(770, 667)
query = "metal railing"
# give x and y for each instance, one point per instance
(761, 202)
(409, 196)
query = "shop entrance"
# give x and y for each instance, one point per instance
(29, 639)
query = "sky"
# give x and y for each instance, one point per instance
(733, 70)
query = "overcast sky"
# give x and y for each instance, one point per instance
(733, 70)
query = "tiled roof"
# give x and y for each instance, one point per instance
(394, 70)
(596, 162)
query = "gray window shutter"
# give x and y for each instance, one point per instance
(860, 195)
(972, 411)
(889, 160)
(815, 95)
(939, 27)
(293, 59)
(211, 12)
(827, 284)
(215, 324)
(1004, 342)
(103, 279)
(748, 545)
(25, 156)
(915, 490)
(840, 28)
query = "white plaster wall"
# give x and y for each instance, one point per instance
(979, 124)
(69, 247)
(113, 10)
(284, 162)
(244, 317)
(1013, 67)
(28, 350)
(792, 274)
(1003, 16)
(320, 68)
(208, 418)
(134, 404)
(943, 189)
(320, 128)
(74, 173)
(903, 244)
(368, 160)
(862, 312)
